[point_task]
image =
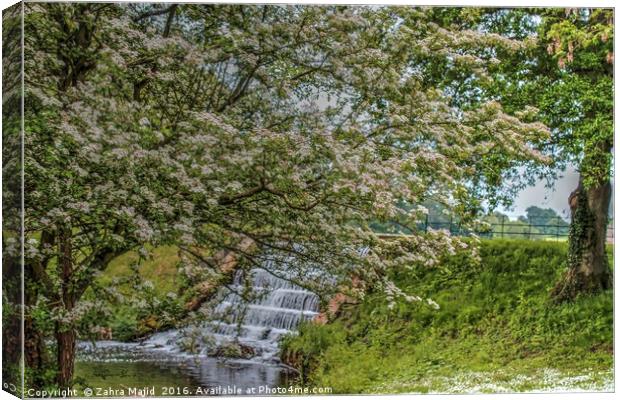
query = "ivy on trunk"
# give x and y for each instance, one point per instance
(588, 267)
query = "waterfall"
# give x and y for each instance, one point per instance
(276, 307)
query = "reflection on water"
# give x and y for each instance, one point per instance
(122, 375)
(116, 368)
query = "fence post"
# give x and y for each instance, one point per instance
(503, 219)
(426, 224)
(557, 230)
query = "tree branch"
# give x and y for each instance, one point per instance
(153, 13)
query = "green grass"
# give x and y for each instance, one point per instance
(496, 330)
(160, 311)
(161, 269)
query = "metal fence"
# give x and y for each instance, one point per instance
(555, 229)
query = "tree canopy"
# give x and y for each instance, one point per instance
(201, 125)
(296, 127)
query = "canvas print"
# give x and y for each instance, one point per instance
(287, 199)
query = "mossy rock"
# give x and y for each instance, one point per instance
(232, 350)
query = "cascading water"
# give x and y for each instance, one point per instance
(275, 308)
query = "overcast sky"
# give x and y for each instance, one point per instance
(555, 198)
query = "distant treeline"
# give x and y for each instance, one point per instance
(536, 223)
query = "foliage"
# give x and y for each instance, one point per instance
(301, 128)
(568, 76)
(151, 155)
(580, 102)
(565, 73)
(493, 317)
(304, 349)
(200, 126)
(132, 305)
(551, 222)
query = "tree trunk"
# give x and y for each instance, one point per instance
(66, 356)
(35, 352)
(588, 267)
(65, 333)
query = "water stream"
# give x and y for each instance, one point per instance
(186, 356)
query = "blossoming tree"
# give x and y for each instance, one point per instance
(567, 74)
(205, 126)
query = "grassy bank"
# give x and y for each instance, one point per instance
(495, 331)
(151, 295)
